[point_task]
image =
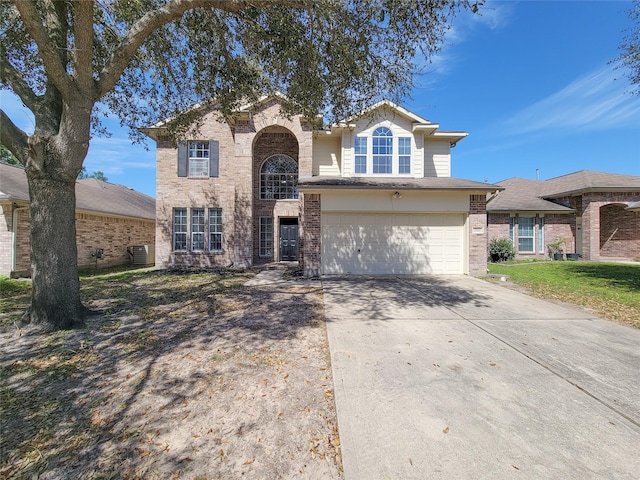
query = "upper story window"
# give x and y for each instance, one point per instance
(360, 150)
(279, 178)
(382, 153)
(198, 159)
(382, 150)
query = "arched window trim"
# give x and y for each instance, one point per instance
(281, 182)
(382, 150)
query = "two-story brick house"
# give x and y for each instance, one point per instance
(373, 194)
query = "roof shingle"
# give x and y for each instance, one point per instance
(91, 195)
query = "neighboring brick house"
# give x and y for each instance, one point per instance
(372, 194)
(596, 213)
(110, 217)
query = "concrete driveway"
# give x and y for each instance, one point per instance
(454, 377)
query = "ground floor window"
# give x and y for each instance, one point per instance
(194, 224)
(180, 229)
(266, 237)
(529, 238)
(215, 229)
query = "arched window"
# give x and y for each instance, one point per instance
(279, 178)
(382, 150)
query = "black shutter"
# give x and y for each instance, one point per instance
(183, 159)
(214, 158)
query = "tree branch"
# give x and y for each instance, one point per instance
(157, 18)
(11, 77)
(13, 138)
(83, 44)
(51, 58)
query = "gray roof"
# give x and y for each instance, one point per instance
(521, 194)
(588, 180)
(91, 195)
(426, 183)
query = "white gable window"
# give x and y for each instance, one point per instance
(404, 155)
(360, 150)
(382, 154)
(382, 149)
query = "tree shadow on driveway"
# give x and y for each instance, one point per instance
(386, 297)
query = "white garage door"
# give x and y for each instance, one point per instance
(392, 243)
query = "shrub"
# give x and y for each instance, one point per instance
(501, 250)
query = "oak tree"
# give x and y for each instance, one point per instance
(70, 61)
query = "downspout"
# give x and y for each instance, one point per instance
(14, 236)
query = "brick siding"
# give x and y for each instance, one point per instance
(311, 220)
(243, 148)
(112, 234)
(477, 235)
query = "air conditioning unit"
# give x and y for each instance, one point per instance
(144, 255)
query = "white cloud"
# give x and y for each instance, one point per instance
(596, 101)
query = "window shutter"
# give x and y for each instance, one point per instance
(214, 158)
(183, 159)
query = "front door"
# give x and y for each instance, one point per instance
(288, 239)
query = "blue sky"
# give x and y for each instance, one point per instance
(529, 80)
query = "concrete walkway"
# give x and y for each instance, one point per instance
(456, 378)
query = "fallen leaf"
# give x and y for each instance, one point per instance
(515, 467)
(492, 364)
(250, 461)
(446, 430)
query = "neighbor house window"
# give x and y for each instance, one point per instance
(541, 234)
(360, 150)
(180, 229)
(279, 178)
(404, 155)
(512, 237)
(266, 237)
(197, 229)
(526, 234)
(198, 159)
(382, 150)
(215, 229)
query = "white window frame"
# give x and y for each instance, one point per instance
(199, 155)
(360, 155)
(541, 248)
(181, 232)
(265, 237)
(382, 151)
(215, 230)
(198, 230)
(400, 150)
(531, 237)
(404, 155)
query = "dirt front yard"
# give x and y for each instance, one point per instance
(181, 376)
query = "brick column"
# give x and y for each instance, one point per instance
(311, 227)
(478, 249)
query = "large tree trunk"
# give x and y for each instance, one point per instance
(55, 298)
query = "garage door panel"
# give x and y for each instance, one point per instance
(394, 244)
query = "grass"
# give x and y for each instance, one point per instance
(610, 290)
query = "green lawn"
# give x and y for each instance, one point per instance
(610, 290)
